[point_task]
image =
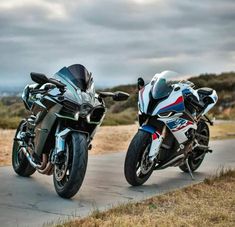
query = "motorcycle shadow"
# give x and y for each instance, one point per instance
(161, 182)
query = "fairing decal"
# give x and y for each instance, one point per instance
(147, 128)
(177, 106)
(178, 124)
(155, 135)
(156, 140)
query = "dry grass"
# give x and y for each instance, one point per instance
(110, 139)
(223, 130)
(211, 203)
(6, 140)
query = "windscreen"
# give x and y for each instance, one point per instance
(77, 75)
(162, 84)
(79, 84)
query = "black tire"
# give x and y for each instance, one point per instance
(202, 129)
(19, 161)
(136, 149)
(78, 156)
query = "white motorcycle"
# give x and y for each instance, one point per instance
(173, 127)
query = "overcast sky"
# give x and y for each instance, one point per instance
(117, 40)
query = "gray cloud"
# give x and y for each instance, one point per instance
(116, 40)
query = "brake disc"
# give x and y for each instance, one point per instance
(146, 164)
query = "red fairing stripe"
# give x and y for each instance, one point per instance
(156, 135)
(179, 100)
(182, 126)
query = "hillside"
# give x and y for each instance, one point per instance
(12, 108)
(223, 83)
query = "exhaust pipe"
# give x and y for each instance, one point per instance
(172, 161)
(32, 163)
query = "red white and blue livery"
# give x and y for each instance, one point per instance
(173, 127)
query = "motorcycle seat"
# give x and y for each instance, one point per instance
(205, 91)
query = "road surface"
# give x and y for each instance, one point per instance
(33, 201)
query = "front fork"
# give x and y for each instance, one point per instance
(60, 138)
(157, 138)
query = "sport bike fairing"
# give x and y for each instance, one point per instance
(65, 113)
(172, 101)
(75, 86)
(168, 108)
(47, 107)
(213, 97)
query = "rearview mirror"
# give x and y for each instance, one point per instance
(57, 83)
(140, 83)
(39, 78)
(120, 96)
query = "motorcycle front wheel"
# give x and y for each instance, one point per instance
(69, 175)
(137, 168)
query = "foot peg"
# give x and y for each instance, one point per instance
(189, 169)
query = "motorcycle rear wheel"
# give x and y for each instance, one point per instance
(137, 151)
(193, 162)
(19, 161)
(72, 180)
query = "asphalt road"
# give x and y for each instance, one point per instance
(33, 201)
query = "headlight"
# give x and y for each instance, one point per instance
(76, 116)
(85, 109)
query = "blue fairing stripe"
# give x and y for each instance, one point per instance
(186, 91)
(177, 108)
(148, 128)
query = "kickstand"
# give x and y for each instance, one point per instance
(189, 169)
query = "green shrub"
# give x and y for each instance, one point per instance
(12, 108)
(9, 122)
(129, 116)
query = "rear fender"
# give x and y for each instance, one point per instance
(157, 139)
